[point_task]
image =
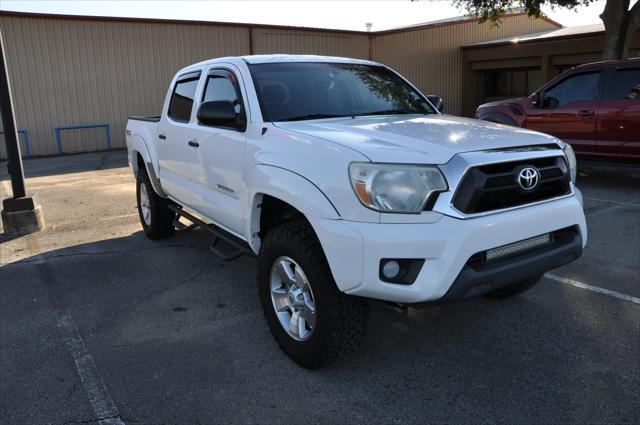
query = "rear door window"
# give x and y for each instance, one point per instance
(182, 98)
(578, 87)
(624, 84)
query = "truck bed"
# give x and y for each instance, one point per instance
(150, 118)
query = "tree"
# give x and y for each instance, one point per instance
(621, 21)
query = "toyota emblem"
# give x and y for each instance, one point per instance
(528, 178)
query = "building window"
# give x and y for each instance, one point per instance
(504, 83)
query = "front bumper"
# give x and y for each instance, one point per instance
(354, 250)
(478, 279)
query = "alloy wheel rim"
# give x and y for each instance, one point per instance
(292, 298)
(145, 207)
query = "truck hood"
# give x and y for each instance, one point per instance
(515, 100)
(432, 139)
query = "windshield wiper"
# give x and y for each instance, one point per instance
(393, 112)
(313, 117)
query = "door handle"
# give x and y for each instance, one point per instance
(162, 136)
(193, 143)
(586, 112)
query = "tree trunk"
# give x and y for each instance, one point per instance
(620, 25)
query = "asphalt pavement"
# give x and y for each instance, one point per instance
(98, 324)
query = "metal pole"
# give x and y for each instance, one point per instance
(10, 130)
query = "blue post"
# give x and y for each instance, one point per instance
(75, 127)
(25, 141)
(58, 141)
(108, 137)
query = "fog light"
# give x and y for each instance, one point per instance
(390, 269)
(402, 271)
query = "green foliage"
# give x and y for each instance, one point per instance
(493, 10)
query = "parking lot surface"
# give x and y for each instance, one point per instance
(98, 324)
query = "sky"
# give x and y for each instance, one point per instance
(346, 14)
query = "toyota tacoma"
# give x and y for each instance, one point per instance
(347, 183)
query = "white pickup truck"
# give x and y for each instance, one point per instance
(348, 184)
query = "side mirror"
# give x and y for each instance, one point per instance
(221, 113)
(536, 100)
(550, 102)
(436, 101)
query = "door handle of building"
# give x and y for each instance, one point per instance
(586, 112)
(193, 143)
(162, 136)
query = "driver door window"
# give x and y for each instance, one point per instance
(579, 87)
(220, 87)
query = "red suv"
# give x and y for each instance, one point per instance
(594, 107)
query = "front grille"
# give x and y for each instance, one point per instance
(495, 186)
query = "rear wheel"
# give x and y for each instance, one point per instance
(156, 218)
(312, 321)
(514, 289)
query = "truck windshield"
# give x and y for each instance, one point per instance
(300, 91)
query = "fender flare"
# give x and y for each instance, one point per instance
(498, 117)
(137, 146)
(287, 186)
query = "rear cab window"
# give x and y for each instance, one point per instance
(182, 98)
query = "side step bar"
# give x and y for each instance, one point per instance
(231, 247)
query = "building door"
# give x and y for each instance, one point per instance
(499, 84)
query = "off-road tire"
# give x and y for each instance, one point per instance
(341, 320)
(514, 289)
(161, 222)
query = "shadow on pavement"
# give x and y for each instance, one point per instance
(179, 336)
(73, 163)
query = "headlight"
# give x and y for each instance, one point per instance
(571, 161)
(395, 187)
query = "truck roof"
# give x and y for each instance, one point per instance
(255, 59)
(610, 63)
(279, 58)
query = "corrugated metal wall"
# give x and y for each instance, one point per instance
(84, 71)
(267, 41)
(71, 72)
(431, 58)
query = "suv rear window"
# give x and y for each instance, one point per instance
(625, 84)
(182, 98)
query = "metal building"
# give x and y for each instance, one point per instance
(75, 79)
(517, 66)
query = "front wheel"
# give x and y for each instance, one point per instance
(312, 321)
